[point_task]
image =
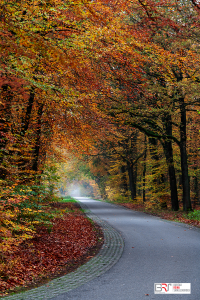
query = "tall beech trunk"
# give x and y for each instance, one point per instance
(168, 150)
(124, 185)
(132, 165)
(195, 180)
(38, 137)
(153, 150)
(154, 155)
(26, 118)
(184, 162)
(25, 124)
(172, 176)
(132, 178)
(144, 170)
(157, 181)
(196, 191)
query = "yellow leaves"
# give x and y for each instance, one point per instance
(13, 226)
(16, 220)
(11, 232)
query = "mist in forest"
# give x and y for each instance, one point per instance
(75, 191)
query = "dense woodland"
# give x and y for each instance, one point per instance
(112, 85)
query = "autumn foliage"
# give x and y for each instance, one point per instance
(71, 237)
(113, 83)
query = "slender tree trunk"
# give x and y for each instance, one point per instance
(153, 149)
(154, 155)
(196, 192)
(144, 170)
(23, 161)
(132, 179)
(184, 162)
(124, 180)
(157, 181)
(38, 137)
(168, 150)
(132, 164)
(26, 118)
(172, 176)
(196, 180)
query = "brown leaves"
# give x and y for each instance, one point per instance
(164, 214)
(71, 238)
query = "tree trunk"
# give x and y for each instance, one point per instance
(154, 155)
(24, 159)
(38, 137)
(157, 180)
(132, 179)
(172, 176)
(184, 162)
(153, 149)
(168, 150)
(196, 192)
(26, 118)
(131, 161)
(144, 170)
(124, 185)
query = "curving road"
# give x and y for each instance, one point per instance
(156, 251)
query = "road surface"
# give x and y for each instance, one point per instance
(155, 251)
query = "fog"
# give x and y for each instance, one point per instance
(75, 191)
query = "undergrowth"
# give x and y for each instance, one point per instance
(154, 208)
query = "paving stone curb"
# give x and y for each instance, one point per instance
(108, 255)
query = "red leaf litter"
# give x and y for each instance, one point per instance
(71, 238)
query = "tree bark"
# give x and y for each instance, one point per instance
(124, 180)
(132, 179)
(184, 162)
(132, 164)
(23, 160)
(38, 137)
(196, 192)
(157, 181)
(144, 171)
(26, 119)
(168, 150)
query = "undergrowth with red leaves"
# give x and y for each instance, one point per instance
(72, 237)
(179, 216)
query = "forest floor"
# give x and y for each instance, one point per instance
(73, 240)
(189, 218)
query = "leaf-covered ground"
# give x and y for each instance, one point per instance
(167, 214)
(72, 241)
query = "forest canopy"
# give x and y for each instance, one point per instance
(103, 91)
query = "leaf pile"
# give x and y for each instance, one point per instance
(71, 238)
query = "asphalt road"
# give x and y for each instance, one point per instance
(156, 251)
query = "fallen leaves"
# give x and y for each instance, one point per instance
(164, 214)
(71, 238)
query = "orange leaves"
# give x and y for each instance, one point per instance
(71, 237)
(37, 44)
